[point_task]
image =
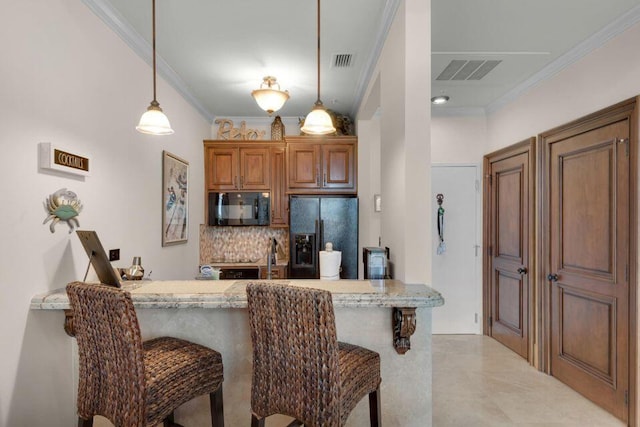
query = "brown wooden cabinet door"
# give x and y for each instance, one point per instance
(338, 166)
(589, 256)
(254, 169)
(279, 199)
(509, 240)
(304, 166)
(277, 272)
(222, 168)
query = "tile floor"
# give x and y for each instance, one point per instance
(478, 382)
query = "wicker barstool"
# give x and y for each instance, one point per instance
(299, 367)
(130, 382)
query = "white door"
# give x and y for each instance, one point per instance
(456, 273)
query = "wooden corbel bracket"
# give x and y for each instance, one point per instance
(404, 325)
(68, 323)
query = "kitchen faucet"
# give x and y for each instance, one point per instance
(271, 256)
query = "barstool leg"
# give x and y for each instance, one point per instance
(255, 422)
(217, 408)
(374, 408)
(170, 421)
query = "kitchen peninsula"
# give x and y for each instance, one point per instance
(213, 313)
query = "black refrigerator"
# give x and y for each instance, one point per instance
(316, 220)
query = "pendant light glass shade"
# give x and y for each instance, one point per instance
(318, 121)
(153, 121)
(268, 97)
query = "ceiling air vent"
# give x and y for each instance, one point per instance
(342, 60)
(460, 69)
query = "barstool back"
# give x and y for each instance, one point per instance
(295, 354)
(111, 356)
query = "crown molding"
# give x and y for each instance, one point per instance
(256, 119)
(388, 14)
(457, 111)
(114, 20)
(582, 49)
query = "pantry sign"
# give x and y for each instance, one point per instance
(62, 160)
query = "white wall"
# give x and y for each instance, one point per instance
(457, 139)
(400, 86)
(68, 79)
(368, 166)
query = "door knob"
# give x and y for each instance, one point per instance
(552, 277)
(522, 270)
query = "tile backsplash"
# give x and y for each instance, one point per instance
(239, 244)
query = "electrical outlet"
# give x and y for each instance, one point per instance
(114, 254)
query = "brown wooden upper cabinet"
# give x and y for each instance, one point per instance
(321, 164)
(230, 165)
(279, 198)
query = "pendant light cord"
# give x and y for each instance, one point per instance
(153, 43)
(318, 61)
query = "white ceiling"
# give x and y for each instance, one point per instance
(533, 39)
(216, 52)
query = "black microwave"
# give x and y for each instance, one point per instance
(239, 209)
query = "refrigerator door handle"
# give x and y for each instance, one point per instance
(322, 242)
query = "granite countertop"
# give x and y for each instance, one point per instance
(231, 294)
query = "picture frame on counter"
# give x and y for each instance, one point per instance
(175, 199)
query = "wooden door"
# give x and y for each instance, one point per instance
(254, 168)
(279, 198)
(304, 166)
(510, 235)
(338, 166)
(222, 168)
(588, 249)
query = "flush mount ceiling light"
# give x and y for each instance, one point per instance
(153, 121)
(318, 121)
(269, 97)
(441, 99)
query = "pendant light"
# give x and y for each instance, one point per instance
(268, 97)
(153, 121)
(318, 121)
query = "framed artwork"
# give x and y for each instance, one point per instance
(175, 199)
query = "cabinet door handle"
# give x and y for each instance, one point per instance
(553, 277)
(324, 182)
(234, 182)
(241, 181)
(318, 177)
(522, 270)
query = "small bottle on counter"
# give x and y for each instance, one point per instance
(135, 272)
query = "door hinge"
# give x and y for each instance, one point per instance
(624, 141)
(626, 397)
(491, 321)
